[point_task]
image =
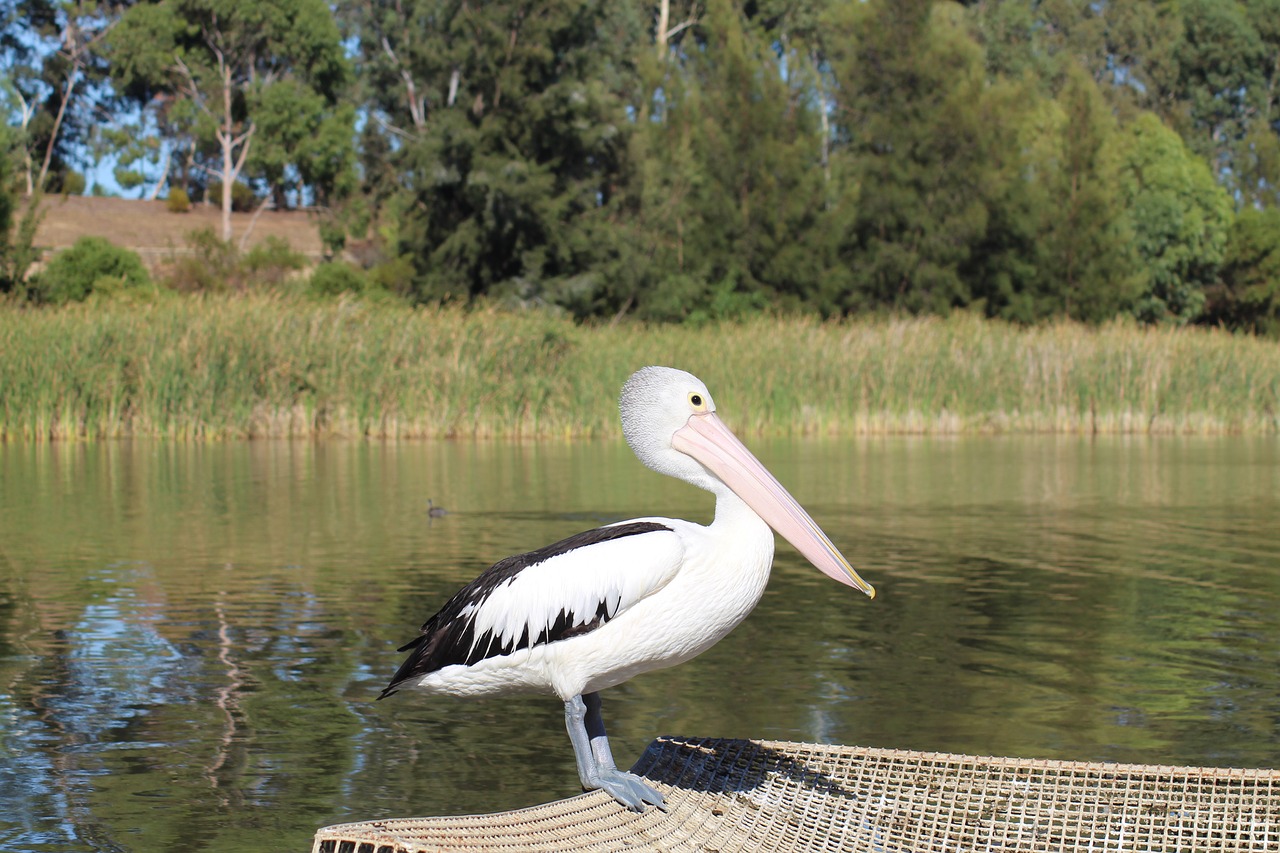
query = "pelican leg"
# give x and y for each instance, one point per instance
(595, 731)
(596, 767)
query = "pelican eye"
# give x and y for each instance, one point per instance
(697, 401)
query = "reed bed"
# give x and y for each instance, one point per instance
(273, 366)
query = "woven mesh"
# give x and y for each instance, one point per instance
(726, 795)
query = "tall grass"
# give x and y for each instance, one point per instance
(214, 367)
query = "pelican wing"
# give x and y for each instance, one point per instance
(563, 590)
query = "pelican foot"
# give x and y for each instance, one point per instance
(627, 789)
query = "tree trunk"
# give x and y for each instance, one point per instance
(227, 139)
(664, 19)
(164, 176)
(57, 125)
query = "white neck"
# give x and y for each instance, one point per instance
(737, 520)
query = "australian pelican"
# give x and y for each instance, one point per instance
(600, 607)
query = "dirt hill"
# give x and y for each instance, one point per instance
(153, 232)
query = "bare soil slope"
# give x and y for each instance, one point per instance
(153, 232)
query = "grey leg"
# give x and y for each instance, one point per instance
(596, 767)
(595, 731)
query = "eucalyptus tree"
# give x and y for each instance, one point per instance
(1220, 78)
(52, 53)
(224, 67)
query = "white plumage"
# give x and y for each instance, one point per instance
(598, 608)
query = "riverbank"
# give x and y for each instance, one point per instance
(216, 367)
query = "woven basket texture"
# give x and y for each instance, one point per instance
(731, 795)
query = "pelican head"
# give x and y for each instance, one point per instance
(669, 419)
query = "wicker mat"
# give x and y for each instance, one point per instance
(754, 795)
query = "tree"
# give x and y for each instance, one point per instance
(1179, 217)
(217, 64)
(1085, 267)
(911, 122)
(1221, 61)
(1248, 293)
(52, 49)
(728, 191)
(17, 239)
(506, 132)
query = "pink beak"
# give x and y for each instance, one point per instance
(709, 441)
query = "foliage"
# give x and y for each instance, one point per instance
(239, 74)
(178, 201)
(1248, 296)
(508, 181)
(18, 251)
(1179, 218)
(211, 265)
(716, 160)
(89, 264)
(271, 262)
(1059, 244)
(334, 278)
(51, 53)
(8, 206)
(243, 199)
(724, 190)
(919, 145)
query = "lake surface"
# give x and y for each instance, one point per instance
(192, 637)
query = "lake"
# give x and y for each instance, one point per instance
(193, 636)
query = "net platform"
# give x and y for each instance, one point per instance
(731, 795)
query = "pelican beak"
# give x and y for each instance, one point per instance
(709, 441)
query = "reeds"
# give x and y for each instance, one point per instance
(230, 367)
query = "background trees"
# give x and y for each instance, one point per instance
(234, 74)
(690, 160)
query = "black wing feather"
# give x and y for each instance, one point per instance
(449, 637)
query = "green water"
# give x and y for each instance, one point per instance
(192, 637)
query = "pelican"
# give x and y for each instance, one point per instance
(600, 607)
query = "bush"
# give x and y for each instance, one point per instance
(212, 265)
(178, 201)
(337, 277)
(243, 199)
(271, 261)
(74, 273)
(209, 266)
(69, 182)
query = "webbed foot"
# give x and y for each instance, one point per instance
(596, 768)
(628, 789)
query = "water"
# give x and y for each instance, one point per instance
(192, 637)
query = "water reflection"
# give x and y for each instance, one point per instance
(191, 637)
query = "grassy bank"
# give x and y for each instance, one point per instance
(275, 366)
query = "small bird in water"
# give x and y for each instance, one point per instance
(600, 607)
(435, 511)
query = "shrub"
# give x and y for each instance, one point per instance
(243, 199)
(336, 277)
(69, 182)
(212, 265)
(393, 276)
(74, 273)
(271, 261)
(178, 201)
(209, 266)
